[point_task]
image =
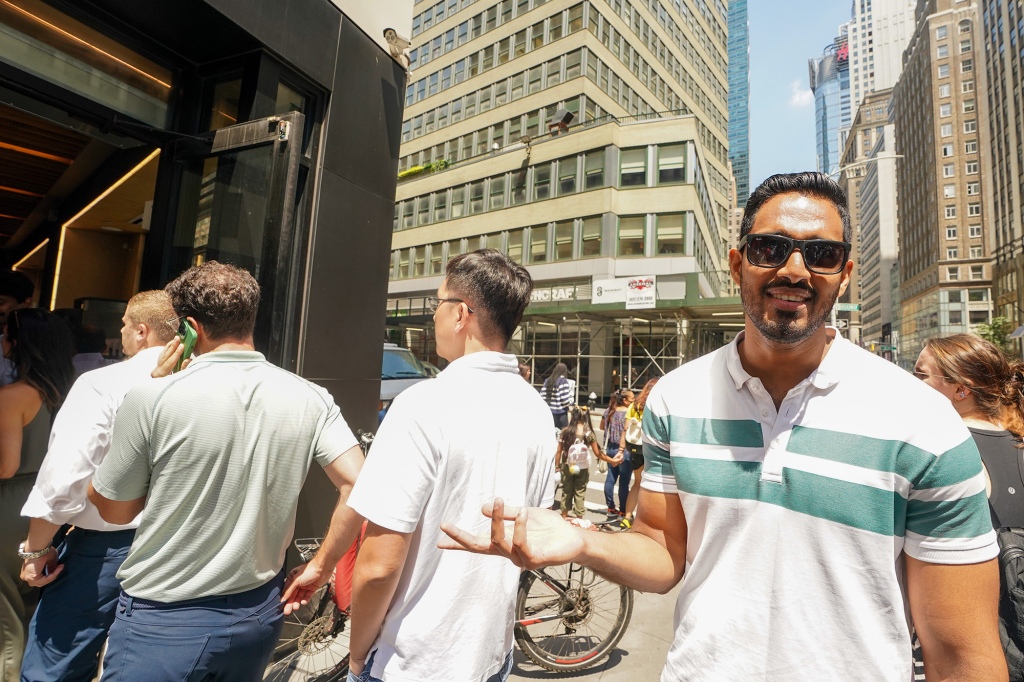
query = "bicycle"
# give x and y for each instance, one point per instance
(314, 642)
(569, 618)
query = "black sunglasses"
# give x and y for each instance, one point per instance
(821, 256)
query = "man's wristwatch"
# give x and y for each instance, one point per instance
(27, 556)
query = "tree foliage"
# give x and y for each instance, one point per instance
(996, 332)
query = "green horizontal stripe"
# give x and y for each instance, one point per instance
(655, 426)
(851, 504)
(741, 433)
(657, 460)
(967, 517)
(920, 467)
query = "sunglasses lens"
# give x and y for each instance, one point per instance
(825, 256)
(768, 251)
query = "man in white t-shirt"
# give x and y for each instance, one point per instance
(476, 432)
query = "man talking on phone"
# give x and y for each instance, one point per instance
(215, 456)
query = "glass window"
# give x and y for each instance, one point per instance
(977, 316)
(634, 167)
(945, 110)
(967, 66)
(944, 90)
(974, 231)
(941, 32)
(436, 260)
(497, 192)
(970, 126)
(949, 191)
(973, 188)
(563, 240)
(965, 46)
(968, 106)
(956, 317)
(476, 197)
(670, 234)
(408, 212)
(518, 187)
(485, 99)
(555, 27)
(976, 251)
(952, 252)
(458, 202)
(942, 51)
(537, 34)
(944, 71)
(971, 168)
(945, 130)
(572, 64)
(950, 232)
(977, 271)
(535, 79)
(977, 295)
(575, 18)
(947, 170)
(515, 245)
(554, 71)
(418, 261)
(441, 205)
(566, 176)
(517, 86)
(594, 169)
(591, 233)
(631, 236)
(670, 164)
(539, 244)
(954, 297)
(974, 210)
(947, 150)
(500, 93)
(950, 212)
(423, 210)
(455, 248)
(403, 263)
(520, 43)
(971, 147)
(542, 181)
(491, 241)
(953, 274)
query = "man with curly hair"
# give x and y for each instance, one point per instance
(215, 457)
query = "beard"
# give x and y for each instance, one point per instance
(787, 327)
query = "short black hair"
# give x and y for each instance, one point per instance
(808, 183)
(16, 285)
(223, 298)
(495, 286)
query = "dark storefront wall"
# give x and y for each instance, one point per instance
(345, 190)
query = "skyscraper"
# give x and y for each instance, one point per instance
(739, 98)
(587, 141)
(830, 83)
(879, 33)
(1004, 190)
(945, 259)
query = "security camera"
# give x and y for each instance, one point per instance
(397, 42)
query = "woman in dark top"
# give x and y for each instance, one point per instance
(986, 391)
(558, 394)
(40, 346)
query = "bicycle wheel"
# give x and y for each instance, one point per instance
(569, 618)
(318, 650)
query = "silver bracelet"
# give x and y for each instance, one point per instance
(28, 556)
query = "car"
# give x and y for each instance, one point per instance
(432, 369)
(399, 370)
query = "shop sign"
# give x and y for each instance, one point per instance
(553, 294)
(608, 291)
(640, 293)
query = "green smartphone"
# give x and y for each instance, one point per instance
(187, 334)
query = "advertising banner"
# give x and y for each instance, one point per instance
(640, 293)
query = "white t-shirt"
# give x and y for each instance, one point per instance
(447, 446)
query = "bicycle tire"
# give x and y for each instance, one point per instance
(598, 607)
(319, 652)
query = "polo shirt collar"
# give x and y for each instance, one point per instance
(825, 376)
(490, 361)
(230, 356)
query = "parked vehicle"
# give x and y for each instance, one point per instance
(399, 370)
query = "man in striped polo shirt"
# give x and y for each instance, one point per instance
(818, 499)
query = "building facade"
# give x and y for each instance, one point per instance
(739, 99)
(879, 33)
(830, 83)
(865, 131)
(588, 141)
(944, 255)
(1004, 188)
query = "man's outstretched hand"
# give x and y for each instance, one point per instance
(540, 537)
(301, 584)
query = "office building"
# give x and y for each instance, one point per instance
(879, 33)
(739, 98)
(142, 138)
(1004, 186)
(945, 258)
(589, 141)
(830, 83)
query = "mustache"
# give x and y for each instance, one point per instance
(789, 285)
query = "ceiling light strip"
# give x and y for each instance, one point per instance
(31, 253)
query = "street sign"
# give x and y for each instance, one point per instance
(848, 307)
(841, 324)
(886, 347)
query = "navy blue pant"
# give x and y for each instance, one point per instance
(75, 611)
(226, 638)
(623, 473)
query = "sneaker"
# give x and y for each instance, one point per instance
(613, 513)
(626, 523)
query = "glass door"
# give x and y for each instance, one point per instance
(236, 204)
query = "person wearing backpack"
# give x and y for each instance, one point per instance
(572, 459)
(985, 389)
(557, 393)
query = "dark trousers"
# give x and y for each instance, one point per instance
(621, 473)
(75, 611)
(225, 638)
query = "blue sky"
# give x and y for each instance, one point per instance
(784, 34)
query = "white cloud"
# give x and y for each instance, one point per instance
(799, 96)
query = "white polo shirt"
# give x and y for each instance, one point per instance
(798, 519)
(476, 432)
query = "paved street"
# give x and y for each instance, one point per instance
(641, 653)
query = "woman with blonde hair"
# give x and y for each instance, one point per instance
(987, 391)
(630, 442)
